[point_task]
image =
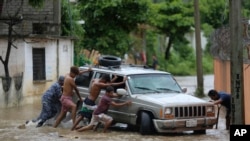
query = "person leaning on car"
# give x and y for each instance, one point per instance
(51, 104)
(225, 100)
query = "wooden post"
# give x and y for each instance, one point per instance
(200, 85)
(237, 79)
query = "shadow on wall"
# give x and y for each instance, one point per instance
(11, 90)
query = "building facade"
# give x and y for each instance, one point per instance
(38, 56)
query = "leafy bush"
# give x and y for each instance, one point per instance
(183, 61)
(81, 60)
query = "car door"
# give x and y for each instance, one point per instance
(118, 113)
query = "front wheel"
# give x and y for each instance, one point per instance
(146, 127)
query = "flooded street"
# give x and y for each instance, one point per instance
(12, 125)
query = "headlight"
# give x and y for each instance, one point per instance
(210, 109)
(168, 111)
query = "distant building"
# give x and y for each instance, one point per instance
(191, 38)
(41, 54)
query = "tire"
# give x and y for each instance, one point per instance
(146, 126)
(133, 128)
(109, 60)
(199, 131)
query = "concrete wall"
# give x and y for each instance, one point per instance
(49, 16)
(58, 56)
(191, 38)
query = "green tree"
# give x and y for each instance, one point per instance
(108, 23)
(172, 18)
(36, 3)
(71, 27)
(214, 12)
(246, 5)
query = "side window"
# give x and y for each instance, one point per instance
(98, 75)
(84, 79)
(119, 79)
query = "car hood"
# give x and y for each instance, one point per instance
(166, 99)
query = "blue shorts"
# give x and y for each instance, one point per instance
(85, 112)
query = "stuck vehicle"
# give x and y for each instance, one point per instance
(158, 102)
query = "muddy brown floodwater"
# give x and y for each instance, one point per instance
(12, 125)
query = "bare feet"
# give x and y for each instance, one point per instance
(78, 127)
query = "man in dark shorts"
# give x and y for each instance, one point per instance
(225, 100)
(89, 102)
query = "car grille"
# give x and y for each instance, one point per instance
(190, 111)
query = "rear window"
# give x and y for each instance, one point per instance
(83, 79)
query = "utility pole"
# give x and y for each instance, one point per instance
(200, 88)
(237, 79)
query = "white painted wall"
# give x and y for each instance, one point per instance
(191, 38)
(58, 59)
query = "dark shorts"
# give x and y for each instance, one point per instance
(85, 112)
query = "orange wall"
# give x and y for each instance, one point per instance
(222, 82)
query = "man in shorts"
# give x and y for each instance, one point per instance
(66, 99)
(89, 102)
(99, 114)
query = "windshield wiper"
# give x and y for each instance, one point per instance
(168, 89)
(145, 88)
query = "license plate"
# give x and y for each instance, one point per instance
(191, 123)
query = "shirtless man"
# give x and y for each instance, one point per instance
(66, 99)
(89, 102)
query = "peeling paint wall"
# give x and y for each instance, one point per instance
(59, 59)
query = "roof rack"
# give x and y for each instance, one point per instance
(139, 66)
(119, 66)
(107, 67)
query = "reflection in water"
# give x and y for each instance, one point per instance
(12, 128)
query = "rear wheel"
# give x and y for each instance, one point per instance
(146, 126)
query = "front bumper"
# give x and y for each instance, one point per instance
(179, 125)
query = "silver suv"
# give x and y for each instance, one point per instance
(158, 103)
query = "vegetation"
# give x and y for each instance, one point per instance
(117, 27)
(108, 24)
(155, 26)
(72, 27)
(174, 19)
(36, 3)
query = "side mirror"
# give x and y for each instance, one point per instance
(121, 91)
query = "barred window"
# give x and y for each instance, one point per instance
(38, 63)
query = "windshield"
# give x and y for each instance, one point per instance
(153, 83)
